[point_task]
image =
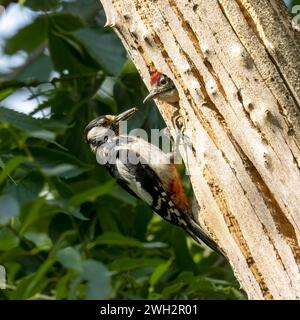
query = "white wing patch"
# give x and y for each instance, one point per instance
(158, 206)
(155, 158)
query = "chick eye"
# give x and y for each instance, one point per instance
(163, 81)
(105, 138)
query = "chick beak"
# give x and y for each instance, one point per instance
(125, 115)
(152, 94)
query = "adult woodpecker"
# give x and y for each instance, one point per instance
(144, 171)
(162, 88)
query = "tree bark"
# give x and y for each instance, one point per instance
(236, 66)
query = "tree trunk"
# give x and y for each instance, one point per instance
(236, 66)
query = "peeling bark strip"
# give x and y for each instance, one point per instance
(235, 64)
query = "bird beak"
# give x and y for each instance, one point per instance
(125, 115)
(152, 94)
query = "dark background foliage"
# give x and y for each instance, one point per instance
(67, 231)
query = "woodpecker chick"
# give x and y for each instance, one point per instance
(163, 89)
(153, 178)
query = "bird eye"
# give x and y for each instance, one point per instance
(105, 138)
(163, 81)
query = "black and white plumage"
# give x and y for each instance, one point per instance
(144, 171)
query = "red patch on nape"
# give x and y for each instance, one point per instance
(154, 77)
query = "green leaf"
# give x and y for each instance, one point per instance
(182, 255)
(39, 128)
(98, 278)
(76, 58)
(105, 94)
(92, 193)
(107, 221)
(115, 239)
(160, 271)
(205, 285)
(172, 289)
(127, 264)
(34, 35)
(88, 10)
(122, 195)
(10, 166)
(70, 259)
(34, 283)
(40, 239)
(27, 189)
(5, 93)
(8, 240)
(39, 69)
(104, 47)
(29, 37)
(128, 68)
(294, 3)
(54, 162)
(9, 208)
(143, 217)
(42, 4)
(66, 21)
(61, 170)
(32, 214)
(62, 288)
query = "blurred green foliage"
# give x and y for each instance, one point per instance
(67, 231)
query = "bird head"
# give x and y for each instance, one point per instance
(162, 88)
(99, 130)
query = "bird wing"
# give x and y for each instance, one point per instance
(141, 181)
